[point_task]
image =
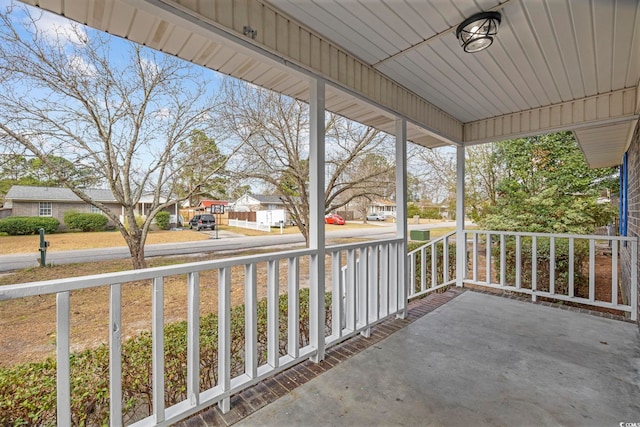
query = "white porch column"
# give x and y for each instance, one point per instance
(316, 218)
(401, 215)
(461, 261)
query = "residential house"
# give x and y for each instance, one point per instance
(257, 202)
(24, 200)
(386, 207)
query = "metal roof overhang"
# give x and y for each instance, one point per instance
(556, 64)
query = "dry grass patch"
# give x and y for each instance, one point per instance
(27, 325)
(102, 239)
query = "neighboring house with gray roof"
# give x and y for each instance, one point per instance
(53, 202)
(257, 202)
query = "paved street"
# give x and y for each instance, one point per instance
(226, 242)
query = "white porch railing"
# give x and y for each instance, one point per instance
(431, 266)
(555, 266)
(251, 225)
(364, 285)
(372, 292)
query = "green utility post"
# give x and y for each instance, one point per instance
(43, 249)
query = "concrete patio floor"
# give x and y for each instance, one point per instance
(478, 360)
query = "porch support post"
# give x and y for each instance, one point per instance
(401, 215)
(316, 218)
(461, 254)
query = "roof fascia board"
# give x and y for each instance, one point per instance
(350, 75)
(598, 110)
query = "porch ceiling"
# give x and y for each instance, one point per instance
(556, 64)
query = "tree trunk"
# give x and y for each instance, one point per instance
(304, 229)
(137, 254)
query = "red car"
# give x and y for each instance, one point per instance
(334, 219)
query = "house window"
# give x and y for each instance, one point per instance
(94, 209)
(44, 209)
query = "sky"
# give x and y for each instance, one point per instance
(58, 28)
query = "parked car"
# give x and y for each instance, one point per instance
(379, 216)
(203, 221)
(334, 219)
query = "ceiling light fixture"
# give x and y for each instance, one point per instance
(478, 32)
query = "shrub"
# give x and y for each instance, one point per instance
(412, 210)
(431, 213)
(139, 221)
(439, 263)
(28, 391)
(23, 225)
(162, 220)
(85, 221)
(543, 263)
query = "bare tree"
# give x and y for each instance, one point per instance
(124, 111)
(436, 170)
(484, 171)
(275, 130)
(373, 176)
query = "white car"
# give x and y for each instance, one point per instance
(376, 217)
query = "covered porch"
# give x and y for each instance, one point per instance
(460, 358)
(401, 70)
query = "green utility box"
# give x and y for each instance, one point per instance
(420, 235)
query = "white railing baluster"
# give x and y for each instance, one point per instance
(374, 284)
(412, 273)
(193, 338)
(571, 267)
(465, 260)
(592, 270)
(475, 257)
(434, 264)
(115, 355)
(488, 258)
(503, 260)
(614, 272)
(423, 269)
(337, 298)
(351, 290)
(224, 336)
(293, 325)
(273, 327)
(534, 268)
(157, 333)
(250, 321)
(63, 364)
(518, 262)
(552, 265)
(363, 291)
(445, 259)
(384, 281)
(393, 278)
